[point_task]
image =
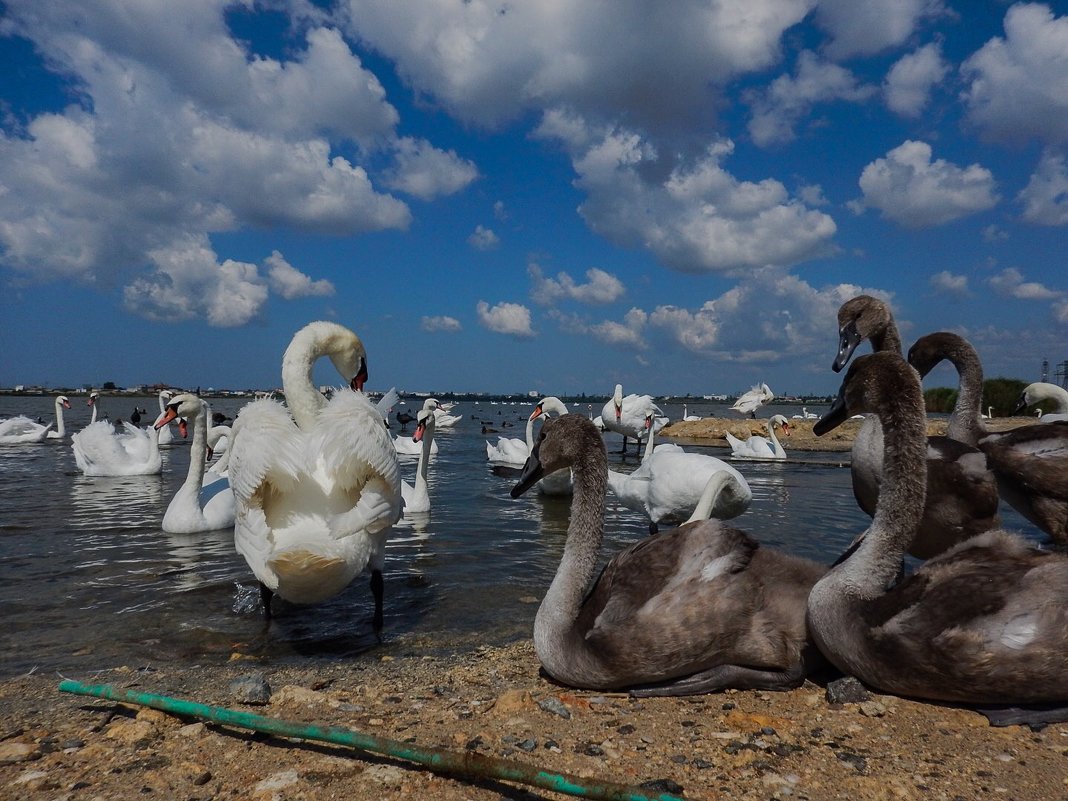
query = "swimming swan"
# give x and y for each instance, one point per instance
(757, 447)
(417, 498)
(196, 506)
(984, 623)
(316, 494)
(695, 609)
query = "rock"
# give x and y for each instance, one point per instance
(11, 752)
(512, 702)
(252, 689)
(131, 732)
(555, 706)
(298, 696)
(277, 781)
(847, 690)
(872, 709)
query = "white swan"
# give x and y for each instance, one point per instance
(749, 402)
(408, 446)
(417, 498)
(511, 451)
(691, 610)
(166, 434)
(1041, 391)
(670, 483)
(100, 451)
(196, 506)
(689, 418)
(316, 495)
(560, 482)
(94, 401)
(444, 419)
(805, 415)
(220, 468)
(757, 447)
(626, 415)
(22, 430)
(62, 402)
(984, 623)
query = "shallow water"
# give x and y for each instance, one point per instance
(88, 580)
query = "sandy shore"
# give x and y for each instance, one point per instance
(493, 702)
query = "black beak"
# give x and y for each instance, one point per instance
(848, 339)
(532, 473)
(1021, 404)
(834, 417)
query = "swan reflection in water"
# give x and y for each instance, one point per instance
(195, 557)
(126, 502)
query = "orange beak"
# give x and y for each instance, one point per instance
(66, 404)
(168, 415)
(419, 431)
(360, 378)
(538, 411)
(619, 412)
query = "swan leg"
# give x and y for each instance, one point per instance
(377, 587)
(653, 527)
(723, 677)
(1033, 716)
(624, 448)
(265, 598)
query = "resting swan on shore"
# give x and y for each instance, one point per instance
(984, 623)
(695, 609)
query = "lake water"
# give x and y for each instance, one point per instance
(88, 580)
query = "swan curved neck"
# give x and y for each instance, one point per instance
(530, 435)
(198, 452)
(886, 338)
(304, 400)
(965, 422)
(554, 623)
(424, 459)
(60, 427)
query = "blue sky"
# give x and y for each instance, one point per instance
(505, 197)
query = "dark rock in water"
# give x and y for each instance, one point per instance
(847, 690)
(252, 689)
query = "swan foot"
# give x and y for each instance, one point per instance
(723, 677)
(653, 528)
(265, 599)
(377, 587)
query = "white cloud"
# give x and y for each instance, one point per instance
(994, 233)
(778, 109)
(601, 287)
(483, 238)
(440, 323)
(908, 84)
(1045, 197)
(189, 282)
(1060, 311)
(909, 188)
(174, 139)
(627, 334)
(512, 319)
(1018, 85)
(488, 63)
(420, 169)
(769, 316)
(290, 283)
(949, 284)
(694, 216)
(864, 28)
(1010, 282)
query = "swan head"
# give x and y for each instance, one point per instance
(1035, 393)
(858, 319)
(430, 404)
(424, 423)
(184, 406)
(930, 349)
(547, 405)
(63, 401)
(348, 356)
(93, 398)
(563, 441)
(781, 422)
(617, 401)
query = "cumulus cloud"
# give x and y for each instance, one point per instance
(769, 316)
(290, 283)
(860, 29)
(949, 284)
(441, 323)
(512, 319)
(483, 238)
(911, 189)
(1045, 198)
(1010, 282)
(420, 169)
(779, 108)
(600, 287)
(908, 85)
(694, 215)
(487, 64)
(170, 141)
(1017, 86)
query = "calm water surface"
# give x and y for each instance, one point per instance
(88, 580)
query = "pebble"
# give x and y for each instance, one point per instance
(555, 706)
(847, 690)
(252, 689)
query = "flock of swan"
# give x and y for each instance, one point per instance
(312, 489)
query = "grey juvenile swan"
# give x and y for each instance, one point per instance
(962, 494)
(1030, 463)
(698, 608)
(984, 623)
